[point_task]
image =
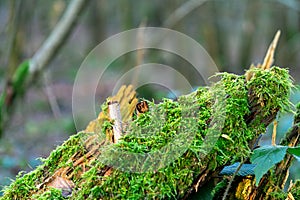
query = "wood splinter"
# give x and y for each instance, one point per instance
(274, 133)
(115, 115)
(269, 58)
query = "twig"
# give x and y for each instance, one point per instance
(182, 11)
(232, 178)
(14, 22)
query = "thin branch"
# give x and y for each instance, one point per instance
(24, 75)
(293, 5)
(13, 44)
(57, 38)
(232, 178)
(182, 11)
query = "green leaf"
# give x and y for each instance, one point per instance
(265, 158)
(295, 151)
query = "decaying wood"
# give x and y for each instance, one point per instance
(123, 112)
(245, 187)
(126, 97)
(255, 107)
(255, 103)
(269, 58)
(277, 182)
(115, 116)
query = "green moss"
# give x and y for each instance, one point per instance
(147, 134)
(203, 130)
(51, 194)
(279, 195)
(296, 190)
(23, 186)
(26, 184)
(269, 89)
(220, 188)
(234, 144)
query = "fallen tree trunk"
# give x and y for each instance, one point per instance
(168, 150)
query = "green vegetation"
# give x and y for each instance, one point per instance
(27, 184)
(196, 118)
(267, 156)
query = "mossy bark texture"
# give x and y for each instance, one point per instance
(203, 131)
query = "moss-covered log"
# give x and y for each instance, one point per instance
(169, 150)
(272, 185)
(77, 167)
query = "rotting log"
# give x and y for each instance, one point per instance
(272, 185)
(79, 168)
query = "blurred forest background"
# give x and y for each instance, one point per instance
(235, 33)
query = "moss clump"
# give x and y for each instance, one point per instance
(27, 184)
(269, 91)
(295, 190)
(166, 149)
(148, 134)
(233, 144)
(51, 194)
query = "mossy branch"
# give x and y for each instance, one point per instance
(28, 71)
(218, 130)
(272, 184)
(82, 163)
